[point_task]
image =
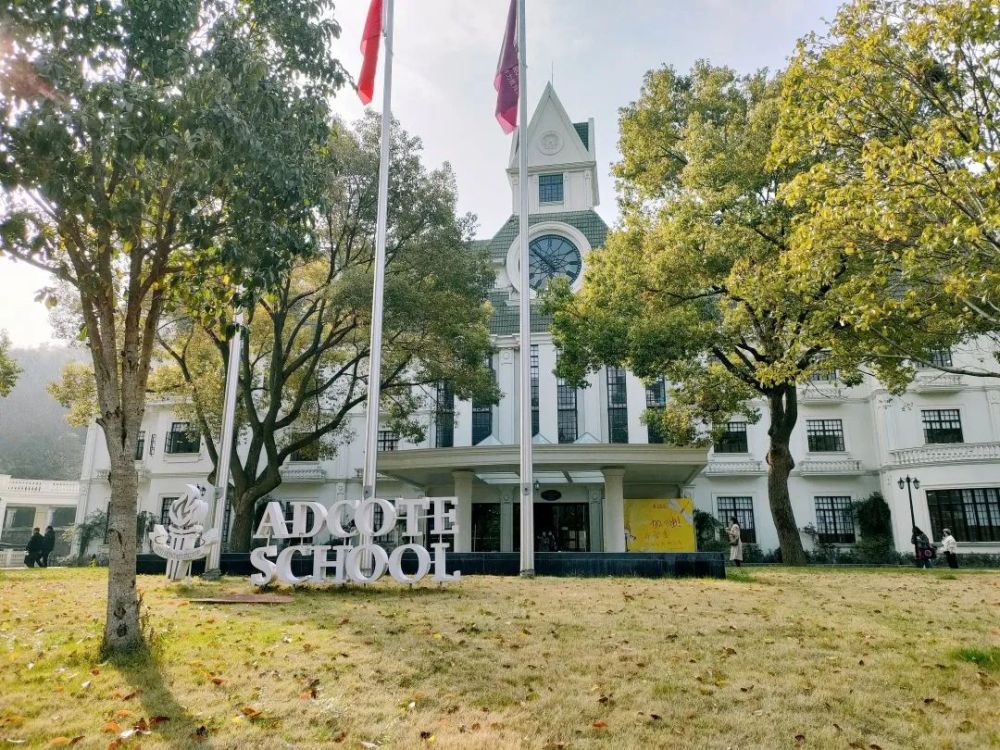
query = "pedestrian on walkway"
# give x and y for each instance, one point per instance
(735, 542)
(922, 548)
(34, 548)
(949, 546)
(48, 544)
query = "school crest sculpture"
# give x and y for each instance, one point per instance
(184, 539)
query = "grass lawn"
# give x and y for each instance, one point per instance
(772, 659)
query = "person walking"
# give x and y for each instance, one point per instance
(735, 542)
(923, 548)
(34, 548)
(48, 544)
(950, 548)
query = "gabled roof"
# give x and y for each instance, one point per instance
(578, 151)
(589, 223)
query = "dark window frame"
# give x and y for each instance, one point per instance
(140, 445)
(936, 359)
(534, 390)
(835, 519)
(165, 503)
(182, 442)
(740, 506)
(942, 426)
(388, 440)
(825, 435)
(444, 416)
(617, 385)
(734, 439)
(482, 413)
(656, 399)
(568, 410)
(953, 509)
(551, 188)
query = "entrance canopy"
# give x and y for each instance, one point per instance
(554, 464)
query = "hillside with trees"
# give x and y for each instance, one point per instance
(35, 441)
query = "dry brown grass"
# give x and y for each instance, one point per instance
(808, 659)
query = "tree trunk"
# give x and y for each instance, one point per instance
(122, 632)
(784, 413)
(241, 532)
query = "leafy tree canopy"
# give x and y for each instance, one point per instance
(701, 283)
(897, 108)
(9, 369)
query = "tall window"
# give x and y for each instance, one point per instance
(140, 445)
(182, 438)
(734, 439)
(942, 425)
(482, 413)
(972, 515)
(742, 508)
(835, 520)
(387, 440)
(825, 435)
(656, 399)
(566, 399)
(486, 527)
(937, 358)
(309, 452)
(534, 389)
(444, 416)
(617, 406)
(165, 509)
(550, 188)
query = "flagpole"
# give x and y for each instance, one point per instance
(225, 455)
(375, 353)
(527, 483)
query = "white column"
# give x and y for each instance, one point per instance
(614, 509)
(463, 423)
(592, 406)
(506, 431)
(463, 491)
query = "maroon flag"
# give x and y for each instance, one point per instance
(369, 48)
(507, 81)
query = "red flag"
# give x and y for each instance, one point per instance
(507, 81)
(369, 48)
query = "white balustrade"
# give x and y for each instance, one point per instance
(946, 453)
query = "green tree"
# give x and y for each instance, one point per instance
(9, 369)
(145, 147)
(700, 284)
(307, 343)
(898, 108)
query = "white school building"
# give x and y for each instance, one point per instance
(592, 452)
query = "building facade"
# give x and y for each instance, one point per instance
(592, 450)
(27, 504)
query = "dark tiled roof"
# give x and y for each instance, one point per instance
(505, 315)
(583, 130)
(588, 223)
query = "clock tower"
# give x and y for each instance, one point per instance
(562, 194)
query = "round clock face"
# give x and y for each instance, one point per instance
(552, 256)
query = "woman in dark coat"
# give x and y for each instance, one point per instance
(48, 544)
(34, 549)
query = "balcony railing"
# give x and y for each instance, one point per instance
(935, 380)
(306, 471)
(946, 453)
(822, 392)
(734, 468)
(42, 487)
(829, 466)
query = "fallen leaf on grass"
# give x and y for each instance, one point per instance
(112, 727)
(250, 711)
(340, 737)
(61, 741)
(309, 694)
(600, 725)
(800, 738)
(218, 681)
(655, 717)
(122, 713)
(155, 721)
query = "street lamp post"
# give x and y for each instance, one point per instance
(911, 483)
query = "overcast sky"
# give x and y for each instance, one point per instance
(446, 53)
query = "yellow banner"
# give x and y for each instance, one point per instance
(659, 525)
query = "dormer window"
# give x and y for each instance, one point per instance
(550, 188)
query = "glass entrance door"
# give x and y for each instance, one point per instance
(559, 527)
